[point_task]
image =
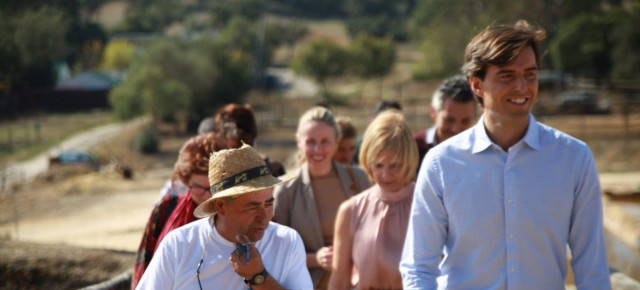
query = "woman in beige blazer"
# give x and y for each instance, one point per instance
(309, 202)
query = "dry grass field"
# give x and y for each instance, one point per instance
(25, 137)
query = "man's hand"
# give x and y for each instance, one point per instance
(325, 257)
(239, 261)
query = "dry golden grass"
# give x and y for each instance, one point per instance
(30, 136)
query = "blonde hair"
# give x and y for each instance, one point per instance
(389, 131)
(316, 114)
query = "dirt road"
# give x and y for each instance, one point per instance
(116, 220)
(103, 221)
(26, 171)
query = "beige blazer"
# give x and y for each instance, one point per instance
(295, 205)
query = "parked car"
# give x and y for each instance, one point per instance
(582, 102)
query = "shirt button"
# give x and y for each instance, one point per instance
(511, 236)
(508, 200)
(512, 270)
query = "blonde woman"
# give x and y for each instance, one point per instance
(309, 202)
(371, 226)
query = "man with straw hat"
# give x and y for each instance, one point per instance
(235, 245)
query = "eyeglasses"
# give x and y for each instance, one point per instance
(198, 270)
(199, 190)
(203, 252)
(240, 250)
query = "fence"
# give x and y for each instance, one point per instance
(612, 134)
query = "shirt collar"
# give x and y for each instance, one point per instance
(482, 141)
(532, 137)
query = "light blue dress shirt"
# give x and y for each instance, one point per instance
(503, 219)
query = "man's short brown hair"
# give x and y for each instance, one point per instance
(500, 45)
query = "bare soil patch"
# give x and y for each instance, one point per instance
(73, 227)
(43, 266)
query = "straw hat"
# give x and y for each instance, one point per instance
(233, 172)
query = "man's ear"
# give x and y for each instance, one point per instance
(220, 205)
(432, 113)
(476, 86)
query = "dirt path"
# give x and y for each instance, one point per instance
(109, 222)
(621, 180)
(103, 221)
(116, 221)
(26, 171)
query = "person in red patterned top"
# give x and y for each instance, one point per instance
(174, 211)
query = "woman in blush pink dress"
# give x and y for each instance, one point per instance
(370, 227)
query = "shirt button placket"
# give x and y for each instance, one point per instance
(510, 218)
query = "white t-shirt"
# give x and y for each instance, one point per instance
(175, 262)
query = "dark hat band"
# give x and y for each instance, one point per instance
(241, 177)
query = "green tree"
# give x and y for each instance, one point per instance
(321, 59)
(163, 98)
(371, 57)
(118, 55)
(442, 51)
(164, 82)
(626, 39)
(125, 99)
(232, 79)
(314, 7)
(442, 28)
(583, 46)
(379, 18)
(152, 15)
(288, 33)
(240, 33)
(39, 35)
(223, 11)
(173, 79)
(35, 35)
(31, 41)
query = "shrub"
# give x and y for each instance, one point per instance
(147, 141)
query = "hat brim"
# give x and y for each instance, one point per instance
(208, 208)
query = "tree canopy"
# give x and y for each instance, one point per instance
(118, 55)
(321, 59)
(31, 42)
(35, 36)
(442, 28)
(583, 45)
(371, 57)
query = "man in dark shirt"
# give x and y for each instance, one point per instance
(453, 109)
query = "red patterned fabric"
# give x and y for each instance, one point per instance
(169, 213)
(181, 215)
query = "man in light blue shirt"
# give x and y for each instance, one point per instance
(496, 205)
